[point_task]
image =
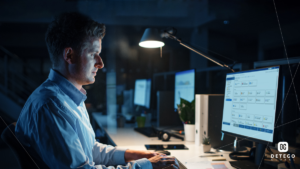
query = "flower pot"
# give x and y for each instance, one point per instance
(189, 132)
(206, 148)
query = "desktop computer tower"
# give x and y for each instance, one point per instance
(208, 120)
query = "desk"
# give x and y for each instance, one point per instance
(128, 138)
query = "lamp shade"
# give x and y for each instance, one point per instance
(151, 39)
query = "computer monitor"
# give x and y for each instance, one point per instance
(184, 86)
(142, 92)
(286, 128)
(250, 105)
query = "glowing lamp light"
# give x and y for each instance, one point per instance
(151, 44)
(151, 39)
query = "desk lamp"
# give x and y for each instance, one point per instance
(151, 39)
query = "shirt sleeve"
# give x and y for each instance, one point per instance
(137, 164)
(108, 155)
(59, 146)
(56, 139)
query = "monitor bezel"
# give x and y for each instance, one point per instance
(276, 113)
(175, 109)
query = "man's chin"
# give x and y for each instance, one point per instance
(90, 81)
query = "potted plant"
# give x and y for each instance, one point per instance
(206, 144)
(186, 112)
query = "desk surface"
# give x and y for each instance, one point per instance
(128, 138)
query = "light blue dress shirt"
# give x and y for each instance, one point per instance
(55, 122)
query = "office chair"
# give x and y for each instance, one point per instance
(26, 159)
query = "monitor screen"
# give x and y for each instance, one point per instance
(184, 86)
(250, 103)
(142, 92)
(286, 127)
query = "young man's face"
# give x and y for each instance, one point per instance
(88, 63)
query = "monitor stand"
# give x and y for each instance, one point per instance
(253, 158)
(234, 148)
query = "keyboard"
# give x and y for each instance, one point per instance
(147, 131)
(181, 166)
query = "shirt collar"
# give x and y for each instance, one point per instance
(67, 87)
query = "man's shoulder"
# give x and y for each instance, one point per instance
(48, 91)
(37, 100)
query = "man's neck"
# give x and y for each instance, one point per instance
(68, 77)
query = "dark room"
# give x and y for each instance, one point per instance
(150, 84)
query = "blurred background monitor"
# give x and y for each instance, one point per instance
(142, 92)
(184, 86)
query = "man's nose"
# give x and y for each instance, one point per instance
(99, 63)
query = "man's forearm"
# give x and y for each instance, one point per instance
(137, 154)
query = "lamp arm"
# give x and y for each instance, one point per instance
(216, 61)
(207, 57)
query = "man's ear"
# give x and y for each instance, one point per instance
(69, 55)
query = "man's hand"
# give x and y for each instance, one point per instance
(138, 154)
(164, 162)
(149, 154)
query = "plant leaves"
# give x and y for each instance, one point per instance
(187, 111)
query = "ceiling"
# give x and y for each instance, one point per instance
(23, 23)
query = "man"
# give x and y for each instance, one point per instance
(54, 120)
